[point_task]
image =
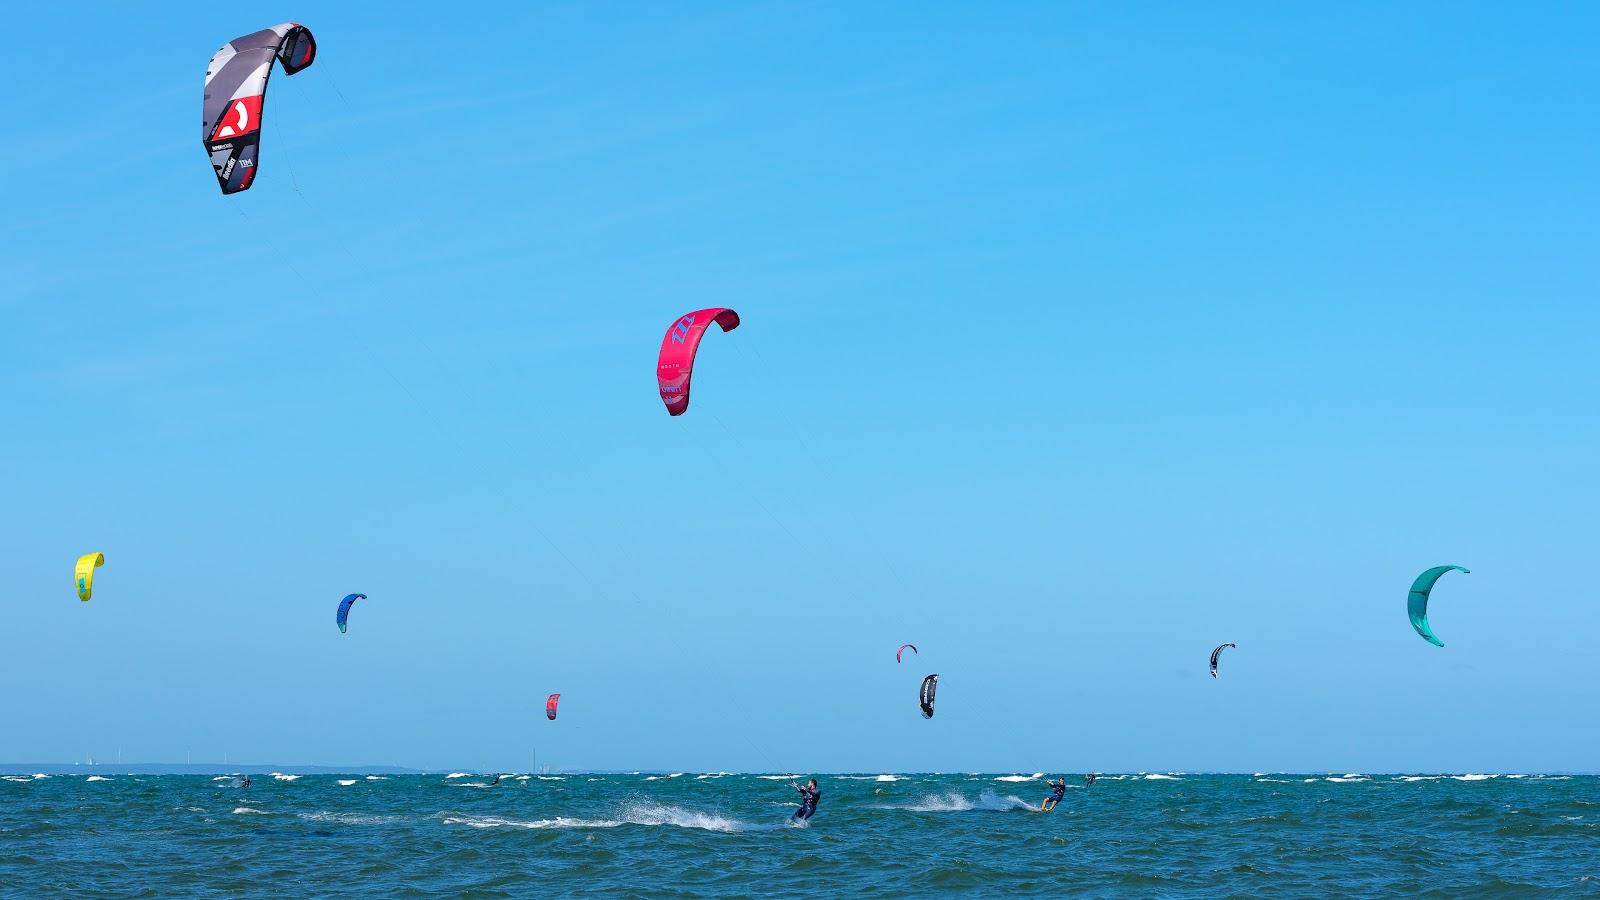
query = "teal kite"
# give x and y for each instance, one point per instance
(1417, 600)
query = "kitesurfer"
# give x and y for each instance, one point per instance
(809, 795)
(495, 781)
(246, 781)
(1058, 790)
(1088, 779)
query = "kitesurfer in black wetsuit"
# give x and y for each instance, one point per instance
(1088, 779)
(495, 781)
(809, 795)
(1058, 790)
(246, 782)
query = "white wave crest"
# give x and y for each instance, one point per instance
(777, 777)
(552, 778)
(1419, 777)
(638, 813)
(987, 801)
(247, 811)
(347, 818)
(1162, 778)
(376, 778)
(1346, 779)
(1034, 777)
(1473, 777)
(282, 777)
(459, 775)
(224, 778)
(887, 778)
(347, 781)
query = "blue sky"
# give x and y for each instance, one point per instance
(1077, 339)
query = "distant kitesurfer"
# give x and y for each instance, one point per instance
(495, 781)
(1088, 779)
(1058, 790)
(246, 781)
(809, 795)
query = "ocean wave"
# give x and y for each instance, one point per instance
(1473, 777)
(282, 777)
(887, 778)
(40, 775)
(347, 781)
(639, 813)
(987, 801)
(97, 778)
(348, 818)
(1419, 777)
(1034, 777)
(1346, 779)
(549, 778)
(247, 811)
(777, 777)
(459, 775)
(376, 778)
(22, 778)
(224, 778)
(502, 822)
(1153, 777)
(1274, 781)
(713, 775)
(663, 777)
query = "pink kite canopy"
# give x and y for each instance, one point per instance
(903, 649)
(678, 348)
(550, 706)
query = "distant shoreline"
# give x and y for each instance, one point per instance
(265, 769)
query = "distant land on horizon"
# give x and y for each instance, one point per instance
(205, 768)
(200, 768)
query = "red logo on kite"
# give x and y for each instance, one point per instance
(242, 117)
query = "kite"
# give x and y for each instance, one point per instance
(1417, 600)
(343, 615)
(676, 362)
(550, 706)
(903, 649)
(925, 696)
(1216, 653)
(83, 573)
(236, 89)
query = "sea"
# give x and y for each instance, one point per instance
(716, 834)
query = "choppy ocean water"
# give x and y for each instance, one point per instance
(727, 835)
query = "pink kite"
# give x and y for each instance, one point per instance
(550, 706)
(678, 348)
(903, 649)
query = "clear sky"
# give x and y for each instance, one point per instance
(1077, 339)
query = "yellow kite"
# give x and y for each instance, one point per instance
(83, 573)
